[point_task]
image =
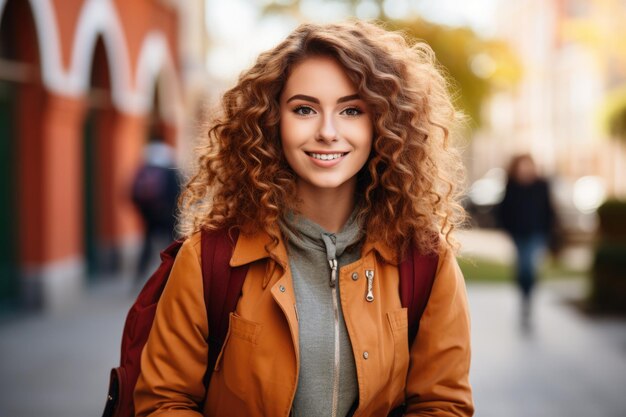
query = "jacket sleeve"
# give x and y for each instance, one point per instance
(174, 359)
(438, 379)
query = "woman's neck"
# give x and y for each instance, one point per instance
(330, 208)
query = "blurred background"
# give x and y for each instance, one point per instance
(100, 97)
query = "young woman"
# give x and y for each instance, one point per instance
(331, 158)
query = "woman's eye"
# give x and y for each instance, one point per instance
(304, 111)
(352, 111)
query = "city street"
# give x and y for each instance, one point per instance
(569, 364)
(124, 122)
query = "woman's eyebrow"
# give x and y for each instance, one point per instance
(349, 98)
(315, 100)
(305, 98)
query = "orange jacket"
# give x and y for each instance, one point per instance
(257, 371)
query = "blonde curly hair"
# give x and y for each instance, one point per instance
(408, 189)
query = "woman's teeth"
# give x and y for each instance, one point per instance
(326, 156)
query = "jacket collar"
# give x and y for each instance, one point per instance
(382, 249)
(251, 247)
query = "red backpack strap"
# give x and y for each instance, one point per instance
(222, 288)
(417, 275)
(137, 327)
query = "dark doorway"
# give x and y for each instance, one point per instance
(100, 255)
(20, 89)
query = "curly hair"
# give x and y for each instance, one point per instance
(408, 189)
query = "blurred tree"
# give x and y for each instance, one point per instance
(475, 66)
(613, 113)
(618, 122)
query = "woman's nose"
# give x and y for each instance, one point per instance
(327, 131)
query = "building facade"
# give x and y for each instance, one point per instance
(84, 84)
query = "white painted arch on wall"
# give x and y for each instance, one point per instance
(155, 65)
(48, 39)
(99, 18)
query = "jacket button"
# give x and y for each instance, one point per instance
(281, 288)
(355, 276)
(366, 355)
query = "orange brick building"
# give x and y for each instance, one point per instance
(83, 85)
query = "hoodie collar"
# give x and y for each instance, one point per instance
(301, 232)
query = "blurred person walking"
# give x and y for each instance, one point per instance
(527, 215)
(155, 192)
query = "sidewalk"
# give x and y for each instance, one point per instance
(58, 365)
(569, 365)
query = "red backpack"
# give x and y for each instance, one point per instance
(417, 274)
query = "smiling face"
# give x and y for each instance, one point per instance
(326, 128)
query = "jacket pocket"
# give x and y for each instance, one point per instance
(398, 322)
(234, 359)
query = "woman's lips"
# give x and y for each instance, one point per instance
(326, 159)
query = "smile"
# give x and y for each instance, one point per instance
(326, 156)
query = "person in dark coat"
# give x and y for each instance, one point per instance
(527, 215)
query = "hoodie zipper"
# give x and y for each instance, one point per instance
(333, 285)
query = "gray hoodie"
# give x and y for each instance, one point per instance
(327, 383)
